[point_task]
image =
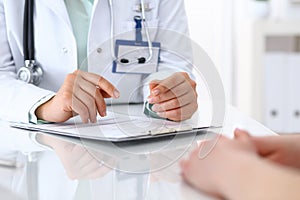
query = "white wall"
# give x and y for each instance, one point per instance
(211, 27)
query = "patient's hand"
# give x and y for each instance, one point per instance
(284, 149)
(217, 163)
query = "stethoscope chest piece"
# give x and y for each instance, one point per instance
(31, 72)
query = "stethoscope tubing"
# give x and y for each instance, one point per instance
(145, 25)
(28, 31)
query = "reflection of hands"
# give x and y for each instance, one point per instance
(212, 165)
(280, 149)
(79, 162)
(162, 168)
(82, 93)
(175, 97)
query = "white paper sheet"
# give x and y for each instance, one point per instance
(113, 127)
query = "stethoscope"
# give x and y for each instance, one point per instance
(32, 72)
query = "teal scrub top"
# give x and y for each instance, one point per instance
(80, 14)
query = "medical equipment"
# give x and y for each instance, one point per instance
(133, 55)
(32, 72)
(139, 21)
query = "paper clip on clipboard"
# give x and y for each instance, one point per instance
(164, 130)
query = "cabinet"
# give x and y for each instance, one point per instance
(250, 51)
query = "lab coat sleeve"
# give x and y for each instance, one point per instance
(16, 97)
(173, 34)
(32, 116)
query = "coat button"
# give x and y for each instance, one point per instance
(65, 50)
(99, 50)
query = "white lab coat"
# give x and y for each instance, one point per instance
(56, 51)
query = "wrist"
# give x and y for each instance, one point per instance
(41, 111)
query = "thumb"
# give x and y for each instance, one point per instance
(245, 138)
(153, 84)
(265, 145)
(241, 135)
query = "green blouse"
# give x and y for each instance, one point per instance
(80, 14)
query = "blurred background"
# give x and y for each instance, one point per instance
(255, 46)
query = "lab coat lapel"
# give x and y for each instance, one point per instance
(59, 8)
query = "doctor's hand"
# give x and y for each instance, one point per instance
(175, 97)
(82, 93)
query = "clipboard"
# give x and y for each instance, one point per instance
(115, 128)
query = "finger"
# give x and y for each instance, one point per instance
(245, 138)
(174, 103)
(69, 147)
(241, 134)
(180, 114)
(84, 160)
(100, 82)
(90, 167)
(81, 109)
(108, 87)
(89, 102)
(70, 162)
(175, 92)
(153, 84)
(265, 145)
(78, 151)
(96, 94)
(87, 87)
(168, 83)
(100, 103)
(104, 94)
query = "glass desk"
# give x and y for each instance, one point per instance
(42, 166)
